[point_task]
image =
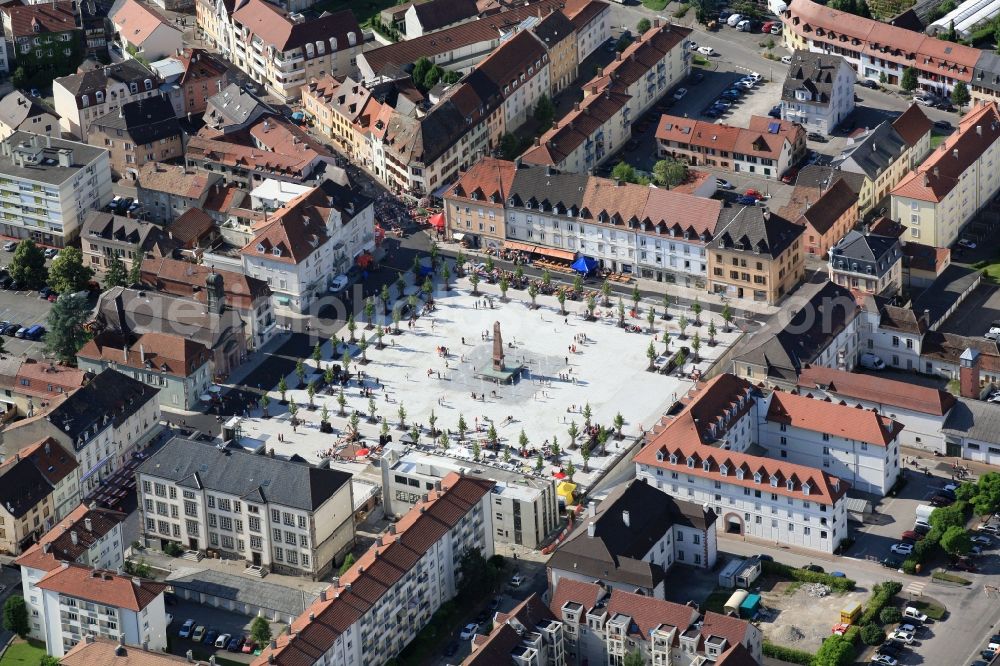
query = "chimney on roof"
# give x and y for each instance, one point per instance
(88, 524)
(392, 528)
(90, 639)
(46, 547)
(74, 538)
(626, 519)
(190, 656)
(137, 581)
(378, 541)
(437, 485)
(591, 529)
(592, 509)
(979, 130)
(954, 153)
(142, 353)
(618, 56)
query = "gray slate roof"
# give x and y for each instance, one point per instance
(110, 395)
(974, 419)
(755, 229)
(879, 252)
(816, 72)
(236, 471)
(128, 71)
(232, 106)
(144, 120)
(615, 551)
(874, 153)
(22, 487)
(536, 185)
(41, 160)
(16, 107)
(288, 601)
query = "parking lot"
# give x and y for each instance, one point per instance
(221, 621)
(24, 308)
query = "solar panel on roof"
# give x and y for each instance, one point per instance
(772, 128)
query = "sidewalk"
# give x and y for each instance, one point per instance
(683, 295)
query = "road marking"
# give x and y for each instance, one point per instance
(915, 588)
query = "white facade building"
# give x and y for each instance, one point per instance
(818, 92)
(47, 185)
(80, 99)
(78, 601)
(393, 590)
(91, 537)
(289, 517)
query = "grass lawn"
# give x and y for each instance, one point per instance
(992, 271)
(23, 653)
(655, 5)
(937, 139)
(950, 578)
(933, 611)
(716, 600)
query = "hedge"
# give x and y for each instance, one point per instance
(785, 571)
(791, 655)
(882, 594)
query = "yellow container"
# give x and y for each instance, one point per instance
(850, 614)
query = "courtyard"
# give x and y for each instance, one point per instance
(559, 372)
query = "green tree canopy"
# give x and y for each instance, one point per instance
(65, 334)
(116, 275)
(260, 631)
(960, 94)
(641, 27)
(67, 273)
(670, 172)
(545, 111)
(15, 615)
(956, 541)
(909, 80)
(28, 265)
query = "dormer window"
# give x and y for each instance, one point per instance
(528, 205)
(690, 462)
(134, 87)
(99, 96)
(260, 248)
(805, 488)
(774, 482)
(659, 456)
(149, 84)
(756, 477)
(673, 459)
(276, 252)
(790, 484)
(707, 466)
(724, 470)
(739, 474)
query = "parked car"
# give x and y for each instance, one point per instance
(884, 660)
(21, 331)
(815, 568)
(745, 25)
(891, 648)
(747, 201)
(236, 643)
(223, 640)
(199, 633)
(35, 332)
(911, 536)
(185, 630)
(468, 631)
(786, 60)
(50, 252)
(966, 243)
(890, 563)
(10, 246)
(45, 291)
(790, 175)
(775, 111)
(11, 329)
(868, 83)
(679, 93)
(871, 361)
(724, 184)
(734, 20)
(210, 637)
(943, 125)
(816, 136)
(902, 548)
(706, 50)
(902, 636)
(776, 28)
(941, 500)
(517, 580)
(6, 281)
(249, 646)
(751, 192)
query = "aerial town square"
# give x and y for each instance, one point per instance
(500, 333)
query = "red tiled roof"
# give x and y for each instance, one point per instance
(102, 587)
(830, 207)
(486, 178)
(192, 225)
(59, 542)
(569, 590)
(912, 125)
(755, 140)
(683, 212)
(827, 417)
(100, 651)
(51, 459)
(47, 17)
(182, 278)
(375, 572)
(880, 40)
(940, 172)
(649, 613)
(295, 231)
(136, 21)
(277, 29)
(878, 390)
(160, 352)
(46, 379)
(733, 629)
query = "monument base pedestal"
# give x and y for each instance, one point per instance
(508, 375)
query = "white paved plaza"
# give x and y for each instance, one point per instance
(607, 370)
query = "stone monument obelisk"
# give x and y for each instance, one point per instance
(498, 364)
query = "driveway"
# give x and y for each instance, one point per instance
(222, 621)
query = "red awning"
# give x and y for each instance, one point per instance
(362, 453)
(437, 220)
(559, 475)
(364, 260)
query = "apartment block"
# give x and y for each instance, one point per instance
(26, 505)
(282, 51)
(529, 635)
(827, 220)
(101, 424)
(633, 538)
(700, 456)
(88, 536)
(146, 130)
(818, 92)
(884, 154)
(59, 468)
(604, 625)
(875, 49)
(286, 516)
(81, 98)
(190, 77)
(867, 263)
(140, 31)
(19, 111)
(47, 185)
(767, 147)
(105, 236)
(372, 611)
(758, 255)
(77, 601)
(954, 183)
(525, 509)
(168, 191)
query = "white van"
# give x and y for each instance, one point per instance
(733, 20)
(871, 361)
(744, 26)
